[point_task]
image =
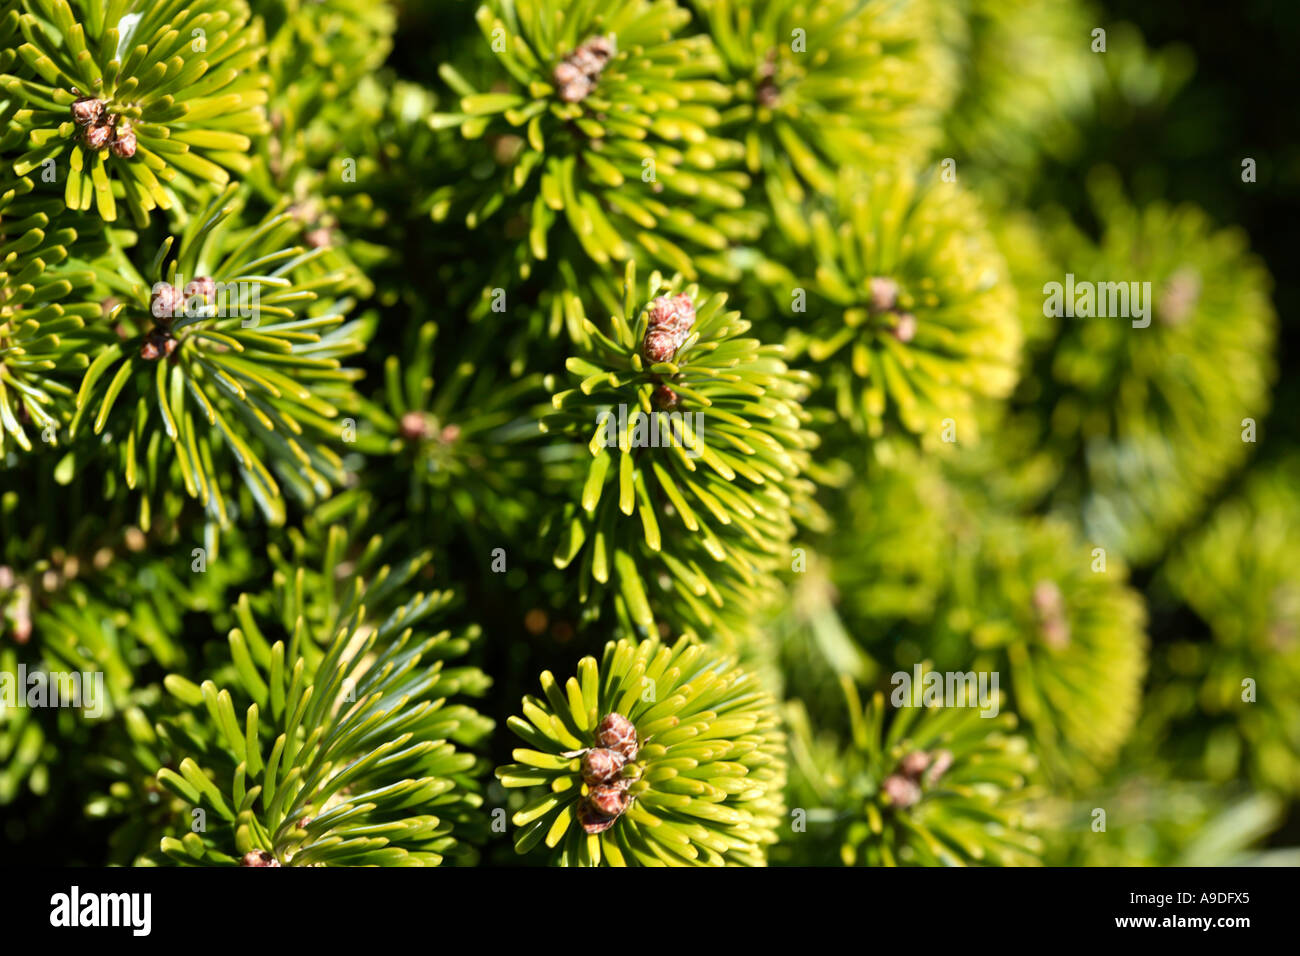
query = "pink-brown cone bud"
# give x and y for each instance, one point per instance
(914, 763)
(87, 110)
(205, 287)
(592, 820)
(905, 330)
(1047, 598)
(665, 398)
(884, 294)
(166, 301)
(608, 801)
(575, 76)
(123, 144)
(1179, 297)
(617, 733)
(599, 47)
(942, 761)
(566, 73)
(1049, 603)
(601, 766)
(576, 91)
(416, 426)
(902, 793)
(675, 314)
(659, 346)
(22, 631)
(1056, 632)
(97, 137)
(156, 344)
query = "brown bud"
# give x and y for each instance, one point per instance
(914, 763)
(575, 76)
(415, 426)
(157, 343)
(576, 91)
(306, 212)
(566, 73)
(166, 301)
(601, 47)
(259, 858)
(97, 137)
(665, 398)
(905, 330)
(659, 346)
(902, 792)
(590, 58)
(1047, 598)
(22, 629)
(675, 314)
(586, 62)
(571, 81)
(884, 293)
(205, 287)
(617, 733)
(1056, 632)
(1050, 607)
(123, 144)
(87, 110)
(592, 820)
(1179, 297)
(601, 766)
(942, 761)
(609, 801)
(20, 613)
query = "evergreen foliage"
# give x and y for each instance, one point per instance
(934, 788)
(377, 780)
(698, 774)
(697, 460)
